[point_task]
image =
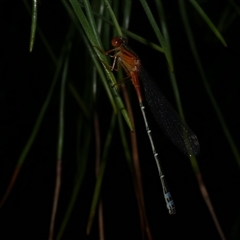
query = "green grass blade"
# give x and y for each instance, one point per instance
(59, 144)
(40, 33)
(158, 33)
(101, 173)
(91, 21)
(208, 89)
(93, 40)
(236, 7)
(114, 19)
(218, 112)
(79, 100)
(127, 14)
(172, 75)
(208, 21)
(36, 127)
(83, 129)
(43, 110)
(34, 24)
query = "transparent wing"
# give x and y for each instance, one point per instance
(168, 119)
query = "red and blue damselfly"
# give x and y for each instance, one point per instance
(168, 119)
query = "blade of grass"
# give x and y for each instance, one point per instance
(60, 143)
(101, 173)
(98, 6)
(134, 166)
(91, 37)
(157, 32)
(208, 21)
(202, 187)
(79, 100)
(42, 37)
(114, 19)
(133, 162)
(236, 7)
(143, 41)
(36, 127)
(98, 158)
(207, 87)
(128, 33)
(83, 149)
(162, 19)
(34, 24)
(84, 135)
(127, 14)
(96, 62)
(91, 21)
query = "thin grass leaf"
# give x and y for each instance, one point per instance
(208, 21)
(207, 87)
(91, 37)
(79, 100)
(157, 32)
(97, 133)
(224, 19)
(172, 75)
(34, 24)
(36, 127)
(42, 37)
(83, 148)
(128, 33)
(84, 136)
(127, 14)
(125, 143)
(60, 143)
(236, 7)
(98, 6)
(106, 31)
(98, 185)
(91, 21)
(217, 109)
(123, 29)
(134, 166)
(84, 22)
(143, 40)
(114, 19)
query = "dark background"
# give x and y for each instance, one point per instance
(25, 80)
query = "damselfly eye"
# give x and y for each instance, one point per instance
(118, 41)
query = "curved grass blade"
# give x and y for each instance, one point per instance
(83, 149)
(36, 127)
(91, 37)
(160, 9)
(60, 144)
(158, 33)
(42, 37)
(101, 174)
(236, 7)
(114, 19)
(202, 187)
(91, 21)
(134, 166)
(126, 14)
(127, 32)
(208, 21)
(207, 87)
(34, 24)
(79, 100)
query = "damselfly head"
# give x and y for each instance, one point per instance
(118, 41)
